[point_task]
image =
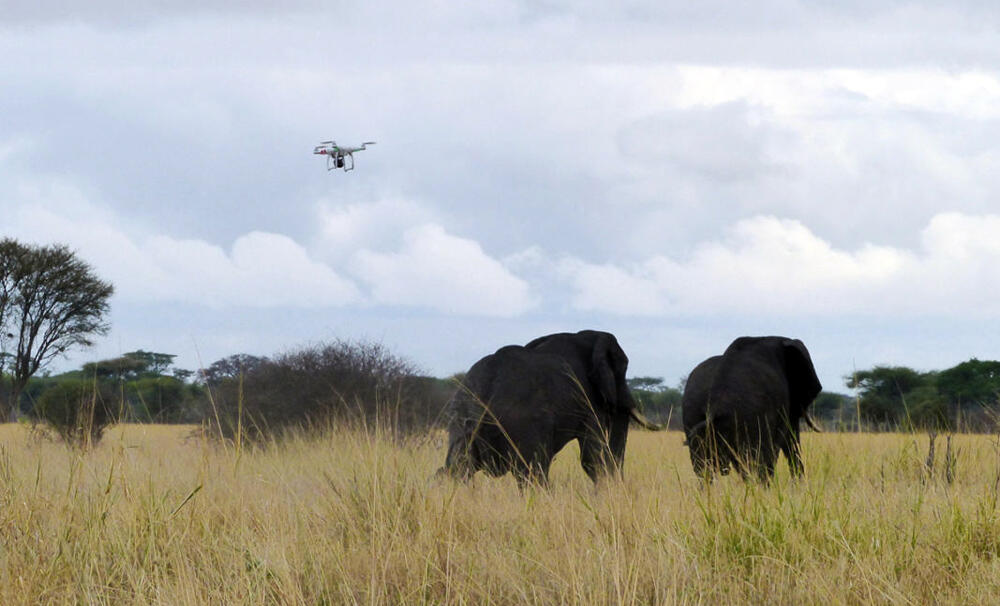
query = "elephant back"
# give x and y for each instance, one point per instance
(597, 361)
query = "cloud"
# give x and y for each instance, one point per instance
(774, 266)
(343, 229)
(725, 142)
(141, 11)
(430, 268)
(444, 272)
(261, 269)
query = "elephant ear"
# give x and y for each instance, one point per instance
(803, 384)
(607, 368)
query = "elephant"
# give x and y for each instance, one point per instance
(519, 406)
(742, 407)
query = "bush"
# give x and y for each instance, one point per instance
(156, 398)
(78, 410)
(931, 414)
(314, 387)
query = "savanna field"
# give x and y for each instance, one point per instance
(160, 515)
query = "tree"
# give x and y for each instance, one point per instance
(52, 303)
(118, 369)
(656, 400)
(829, 404)
(130, 366)
(230, 368)
(646, 383)
(897, 395)
(12, 262)
(971, 382)
(155, 363)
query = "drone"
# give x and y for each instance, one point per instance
(337, 155)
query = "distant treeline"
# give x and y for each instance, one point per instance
(365, 384)
(243, 396)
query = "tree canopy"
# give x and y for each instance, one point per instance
(50, 302)
(900, 396)
(971, 382)
(131, 365)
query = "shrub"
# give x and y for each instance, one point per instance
(78, 410)
(317, 386)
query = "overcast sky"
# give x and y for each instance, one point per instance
(677, 173)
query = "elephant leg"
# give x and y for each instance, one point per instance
(617, 437)
(766, 446)
(535, 471)
(743, 463)
(764, 458)
(728, 451)
(752, 460)
(596, 457)
(703, 465)
(703, 446)
(602, 450)
(794, 455)
(765, 468)
(459, 462)
(728, 447)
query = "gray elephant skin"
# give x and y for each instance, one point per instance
(518, 407)
(742, 408)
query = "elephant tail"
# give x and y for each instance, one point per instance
(646, 423)
(811, 424)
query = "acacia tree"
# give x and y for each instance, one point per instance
(52, 302)
(12, 255)
(899, 395)
(231, 367)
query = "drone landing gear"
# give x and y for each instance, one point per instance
(339, 161)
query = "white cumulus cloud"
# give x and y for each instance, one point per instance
(345, 228)
(444, 272)
(779, 266)
(261, 269)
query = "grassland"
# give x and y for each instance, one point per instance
(154, 516)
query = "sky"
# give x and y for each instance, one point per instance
(676, 173)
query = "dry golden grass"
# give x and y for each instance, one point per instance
(151, 516)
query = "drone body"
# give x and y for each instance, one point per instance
(339, 156)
